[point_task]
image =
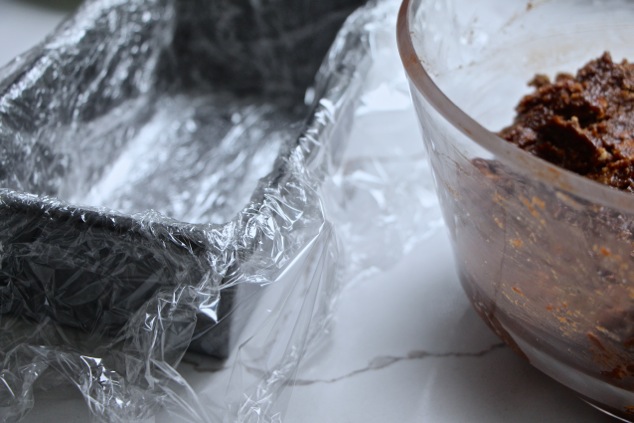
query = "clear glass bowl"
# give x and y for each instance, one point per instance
(546, 256)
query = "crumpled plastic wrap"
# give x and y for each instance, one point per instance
(172, 181)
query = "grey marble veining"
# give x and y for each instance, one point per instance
(384, 362)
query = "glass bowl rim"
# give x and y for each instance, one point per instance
(503, 151)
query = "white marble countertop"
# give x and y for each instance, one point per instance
(22, 25)
(409, 348)
(406, 345)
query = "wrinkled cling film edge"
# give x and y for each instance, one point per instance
(339, 80)
(411, 211)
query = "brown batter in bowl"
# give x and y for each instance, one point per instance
(583, 123)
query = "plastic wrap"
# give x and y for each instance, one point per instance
(166, 188)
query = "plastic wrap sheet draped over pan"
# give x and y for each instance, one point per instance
(160, 164)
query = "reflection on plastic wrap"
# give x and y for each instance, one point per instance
(381, 195)
(241, 211)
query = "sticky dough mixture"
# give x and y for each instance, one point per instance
(582, 122)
